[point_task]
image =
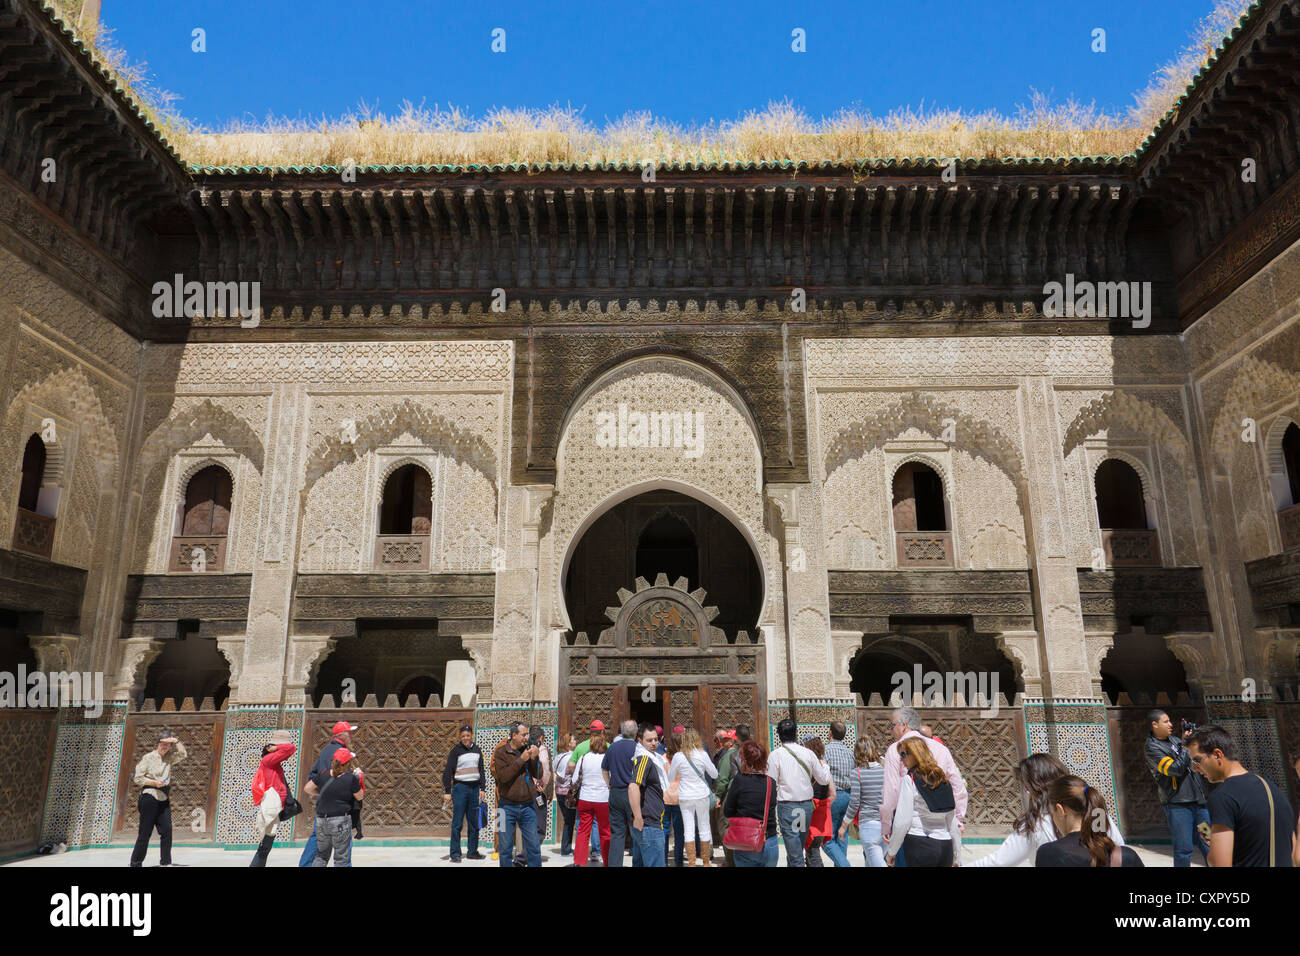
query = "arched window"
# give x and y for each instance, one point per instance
(1291, 460)
(918, 499)
(408, 502)
(921, 518)
(1289, 514)
(207, 503)
(34, 473)
(1126, 536)
(34, 522)
(200, 544)
(405, 521)
(1119, 497)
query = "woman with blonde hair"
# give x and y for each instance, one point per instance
(925, 820)
(692, 769)
(867, 785)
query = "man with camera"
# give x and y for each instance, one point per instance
(1182, 792)
(516, 769)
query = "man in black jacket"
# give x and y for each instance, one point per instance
(462, 780)
(1182, 791)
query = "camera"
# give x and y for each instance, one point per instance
(1188, 726)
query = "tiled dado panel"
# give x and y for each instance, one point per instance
(491, 726)
(80, 802)
(1253, 725)
(1075, 731)
(247, 730)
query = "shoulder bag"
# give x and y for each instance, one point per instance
(1272, 823)
(713, 800)
(571, 798)
(747, 834)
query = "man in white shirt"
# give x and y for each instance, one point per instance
(906, 722)
(794, 768)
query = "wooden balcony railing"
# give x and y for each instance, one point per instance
(34, 534)
(1131, 548)
(184, 548)
(924, 549)
(1288, 520)
(402, 552)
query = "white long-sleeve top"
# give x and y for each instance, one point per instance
(1019, 847)
(692, 784)
(914, 817)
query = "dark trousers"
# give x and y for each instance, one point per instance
(922, 851)
(570, 815)
(464, 810)
(620, 824)
(153, 813)
(263, 851)
(541, 820)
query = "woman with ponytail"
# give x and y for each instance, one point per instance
(1034, 828)
(1079, 815)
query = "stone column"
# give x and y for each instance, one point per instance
(267, 635)
(811, 682)
(1063, 646)
(518, 672)
(1069, 720)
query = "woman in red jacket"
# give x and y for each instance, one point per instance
(270, 791)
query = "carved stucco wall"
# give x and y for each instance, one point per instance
(590, 479)
(65, 362)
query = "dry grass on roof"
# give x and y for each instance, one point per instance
(416, 135)
(781, 132)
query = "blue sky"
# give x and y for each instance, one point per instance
(684, 61)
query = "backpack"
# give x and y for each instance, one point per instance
(937, 799)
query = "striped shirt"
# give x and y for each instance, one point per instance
(866, 787)
(840, 761)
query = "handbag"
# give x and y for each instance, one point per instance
(747, 834)
(571, 798)
(854, 830)
(291, 808)
(671, 797)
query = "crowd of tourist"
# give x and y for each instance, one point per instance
(647, 790)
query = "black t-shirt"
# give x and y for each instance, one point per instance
(646, 776)
(1240, 804)
(335, 799)
(1070, 851)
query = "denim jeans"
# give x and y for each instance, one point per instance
(1183, 819)
(768, 856)
(464, 809)
(653, 840)
(620, 828)
(678, 825)
(333, 833)
(836, 848)
(309, 851)
(873, 854)
(524, 816)
(793, 817)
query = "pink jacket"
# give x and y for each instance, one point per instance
(894, 776)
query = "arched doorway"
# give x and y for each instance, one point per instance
(664, 594)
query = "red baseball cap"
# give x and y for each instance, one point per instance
(343, 727)
(343, 755)
(679, 730)
(730, 735)
(597, 725)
